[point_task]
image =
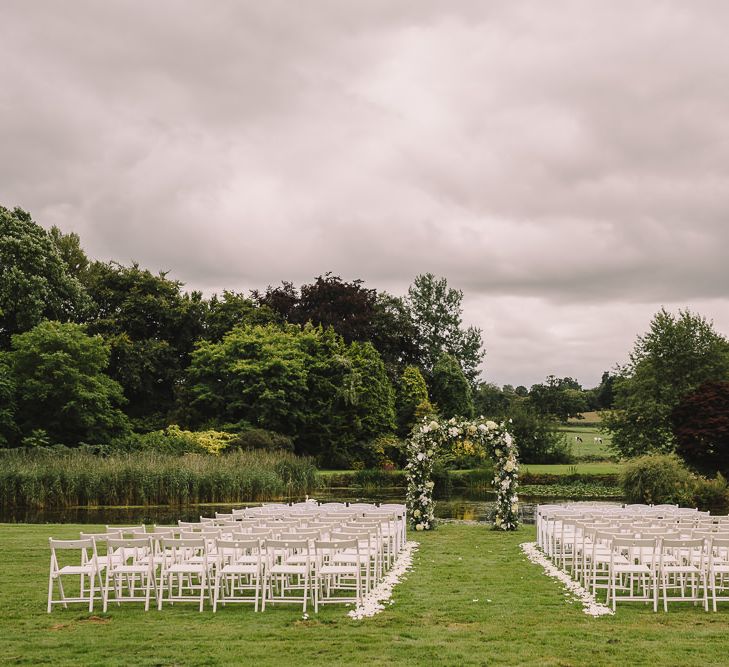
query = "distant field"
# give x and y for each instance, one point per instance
(592, 417)
(588, 433)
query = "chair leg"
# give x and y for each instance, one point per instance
(50, 593)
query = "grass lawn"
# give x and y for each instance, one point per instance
(588, 446)
(472, 599)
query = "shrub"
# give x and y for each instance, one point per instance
(537, 436)
(711, 493)
(174, 440)
(385, 452)
(262, 439)
(658, 478)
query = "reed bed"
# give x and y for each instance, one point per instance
(53, 480)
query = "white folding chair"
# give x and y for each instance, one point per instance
(131, 574)
(633, 571)
(332, 575)
(238, 571)
(718, 570)
(287, 582)
(185, 571)
(82, 554)
(682, 569)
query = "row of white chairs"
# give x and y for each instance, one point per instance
(263, 555)
(639, 553)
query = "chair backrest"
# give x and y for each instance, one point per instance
(327, 548)
(234, 549)
(127, 530)
(85, 546)
(684, 551)
(134, 548)
(280, 550)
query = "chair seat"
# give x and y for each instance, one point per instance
(338, 569)
(187, 568)
(129, 569)
(289, 569)
(632, 568)
(77, 569)
(239, 568)
(681, 569)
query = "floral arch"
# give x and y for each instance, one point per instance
(482, 436)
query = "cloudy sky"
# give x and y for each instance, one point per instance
(565, 164)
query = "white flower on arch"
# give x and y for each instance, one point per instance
(496, 441)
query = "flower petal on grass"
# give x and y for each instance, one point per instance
(374, 602)
(589, 604)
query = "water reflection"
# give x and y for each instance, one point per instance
(454, 508)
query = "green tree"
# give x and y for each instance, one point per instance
(604, 393)
(412, 393)
(256, 376)
(537, 435)
(492, 402)
(70, 250)
(373, 407)
(152, 328)
(234, 309)
(700, 424)
(437, 315)
(672, 359)
(561, 398)
(394, 334)
(7, 402)
(450, 389)
(61, 386)
(35, 283)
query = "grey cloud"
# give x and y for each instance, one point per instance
(565, 157)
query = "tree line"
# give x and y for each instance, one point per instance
(91, 351)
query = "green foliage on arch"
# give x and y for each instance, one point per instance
(431, 438)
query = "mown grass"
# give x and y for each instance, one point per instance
(588, 448)
(53, 480)
(472, 599)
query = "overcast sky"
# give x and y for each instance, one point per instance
(565, 164)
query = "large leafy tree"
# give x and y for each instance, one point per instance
(300, 381)
(152, 328)
(61, 386)
(412, 394)
(701, 427)
(492, 402)
(561, 398)
(373, 404)
(7, 402)
(347, 307)
(394, 334)
(256, 376)
(437, 315)
(70, 250)
(234, 309)
(35, 283)
(677, 355)
(450, 389)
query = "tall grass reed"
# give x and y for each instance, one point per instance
(54, 480)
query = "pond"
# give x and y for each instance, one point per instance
(456, 507)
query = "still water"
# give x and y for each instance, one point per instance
(455, 507)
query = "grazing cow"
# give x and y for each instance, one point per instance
(597, 440)
(578, 438)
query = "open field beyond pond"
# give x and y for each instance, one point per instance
(472, 599)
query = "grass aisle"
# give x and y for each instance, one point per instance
(472, 599)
